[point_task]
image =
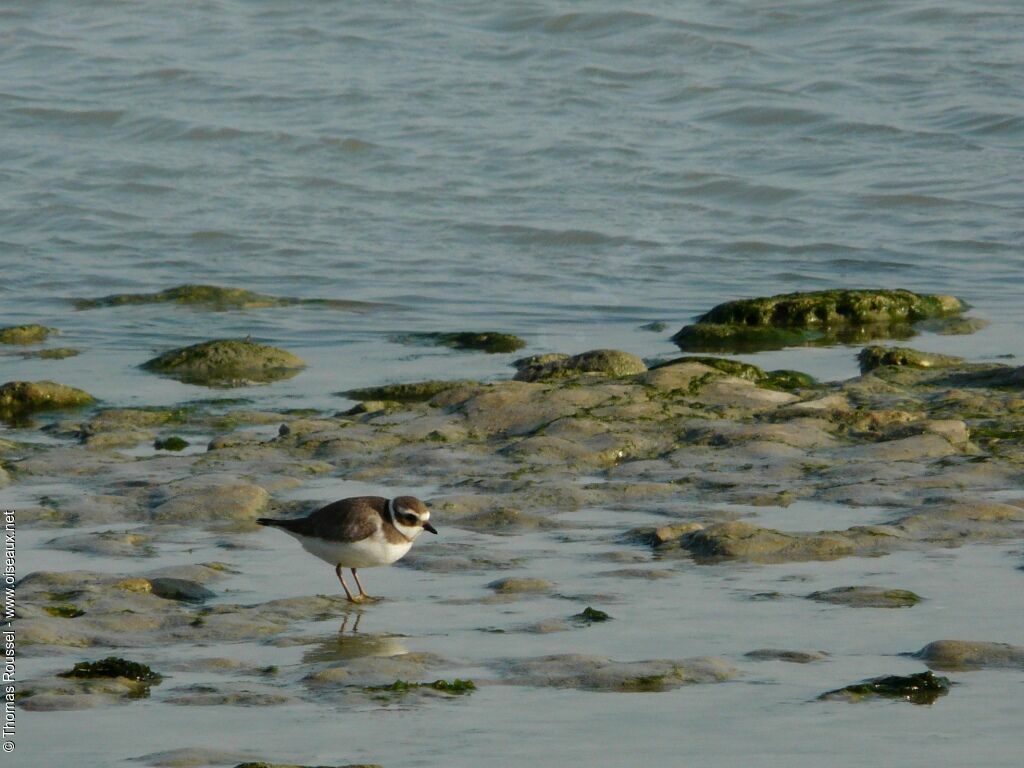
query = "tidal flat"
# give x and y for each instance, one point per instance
(681, 557)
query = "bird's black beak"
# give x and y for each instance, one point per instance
(429, 527)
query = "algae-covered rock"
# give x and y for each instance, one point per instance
(867, 597)
(24, 334)
(18, 397)
(516, 586)
(750, 542)
(412, 392)
(609, 362)
(54, 353)
(971, 654)
(481, 341)
(226, 363)
(920, 688)
(816, 317)
(209, 499)
(215, 297)
(785, 380)
(874, 357)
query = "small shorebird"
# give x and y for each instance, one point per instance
(360, 532)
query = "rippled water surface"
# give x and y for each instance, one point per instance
(562, 170)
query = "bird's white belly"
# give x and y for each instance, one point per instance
(371, 551)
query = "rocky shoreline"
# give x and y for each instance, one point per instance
(935, 441)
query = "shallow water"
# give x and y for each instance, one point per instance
(566, 172)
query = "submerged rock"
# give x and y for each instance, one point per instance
(609, 362)
(24, 334)
(193, 757)
(107, 544)
(874, 357)
(793, 657)
(481, 341)
(226, 363)
(815, 317)
(55, 353)
(971, 654)
(867, 597)
(216, 298)
(920, 688)
(17, 397)
(595, 673)
(182, 590)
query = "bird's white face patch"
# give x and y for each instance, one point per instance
(409, 522)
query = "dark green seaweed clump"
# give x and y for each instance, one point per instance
(481, 341)
(920, 688)
(455, 687)
(172, 443)
(591, 616)
(114, 666)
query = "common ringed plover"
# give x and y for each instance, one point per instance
(360, 532)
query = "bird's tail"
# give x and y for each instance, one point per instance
(287, 525)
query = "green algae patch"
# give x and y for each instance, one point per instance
(21, 397)
(114, 666)
(920, 688)
(874, 357)
(813, 318)
(56, 353)
(454, 687)
(172, 443)
(492, 342)
(226, 363)
(25, 334)
(64, 611)
(217, 298)
(782, 380)
(413, 392)
(590, 616)
(554, 367)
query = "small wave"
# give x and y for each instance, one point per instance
(72, 116)
(762, 116)
(571, 23)
(555, 237)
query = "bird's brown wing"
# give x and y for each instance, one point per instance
(346, 520)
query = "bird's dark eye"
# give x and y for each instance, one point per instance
(409, 519)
